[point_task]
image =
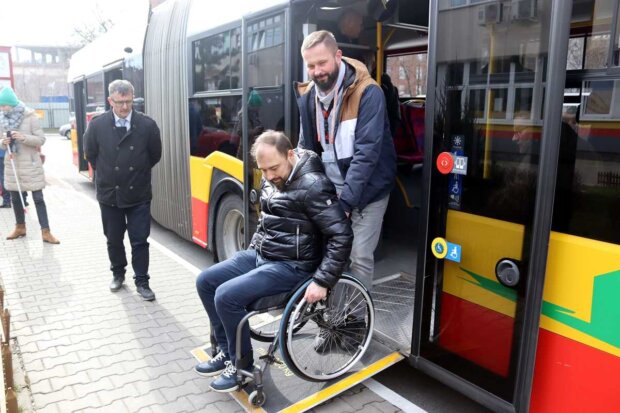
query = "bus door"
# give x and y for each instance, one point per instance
(264, 84)
(77, 144)
(493, 111)
(109, 76)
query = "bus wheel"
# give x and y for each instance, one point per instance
(229, 233)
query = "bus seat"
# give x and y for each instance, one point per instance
(409, 136)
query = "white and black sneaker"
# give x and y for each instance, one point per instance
(214, 366)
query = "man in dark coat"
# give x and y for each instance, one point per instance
(302, 232)
(122, 147)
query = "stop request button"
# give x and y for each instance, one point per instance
(445, 163)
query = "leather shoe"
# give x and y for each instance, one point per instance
(116, 284)
(5, 206)
(146, 293)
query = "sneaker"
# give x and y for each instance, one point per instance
(227, 381)
(213, 367)
(117, 282)
(146, 293)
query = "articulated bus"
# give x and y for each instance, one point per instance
(115, 55)
(498, 269)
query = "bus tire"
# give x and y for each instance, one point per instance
(229, 231)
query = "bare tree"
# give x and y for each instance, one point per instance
(90, 29)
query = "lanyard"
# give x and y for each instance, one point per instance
(328, 129)
(326, 113)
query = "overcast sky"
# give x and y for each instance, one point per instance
(52, 22)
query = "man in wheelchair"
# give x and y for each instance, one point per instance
(303, 232)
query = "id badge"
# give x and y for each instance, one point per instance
(328, 154)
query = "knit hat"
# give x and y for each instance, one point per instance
(8, 97)
(254, 99)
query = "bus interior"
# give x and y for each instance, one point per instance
(399, 36)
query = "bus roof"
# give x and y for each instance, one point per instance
(109, 47)
(204, 15)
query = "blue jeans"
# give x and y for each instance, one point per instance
(136, 221)
(227, 288)
(39, 203)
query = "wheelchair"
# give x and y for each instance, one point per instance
(318, 342)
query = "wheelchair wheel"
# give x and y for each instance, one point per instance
(267, 329)
(324, 340)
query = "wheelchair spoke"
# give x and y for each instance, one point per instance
(326, 339)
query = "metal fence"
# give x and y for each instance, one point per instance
(52, 114)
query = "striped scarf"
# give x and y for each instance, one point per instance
(12, 119)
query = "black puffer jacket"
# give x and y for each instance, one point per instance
(304, 222)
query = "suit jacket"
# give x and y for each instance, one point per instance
(123, 160)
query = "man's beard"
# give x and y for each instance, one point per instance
(327, 84)
(279, 184)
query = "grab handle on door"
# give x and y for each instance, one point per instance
(507, 272)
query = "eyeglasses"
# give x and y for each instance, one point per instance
(123, 102)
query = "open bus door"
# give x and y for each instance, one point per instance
(267, 91)
(496, 83)
(77, 143)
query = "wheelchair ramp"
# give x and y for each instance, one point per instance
(288, 393)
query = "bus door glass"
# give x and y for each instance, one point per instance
(264, 96)
(109, 77)
(578, 354)
(79, 94)
(491, 64)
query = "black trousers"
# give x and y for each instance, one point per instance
(136, 221)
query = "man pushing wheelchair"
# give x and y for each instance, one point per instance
(303, 232)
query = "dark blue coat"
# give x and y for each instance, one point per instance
(123, 161)
(363, 144)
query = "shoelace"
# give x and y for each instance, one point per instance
(230, 369)
(219, 356)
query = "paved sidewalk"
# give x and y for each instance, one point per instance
(85, 349)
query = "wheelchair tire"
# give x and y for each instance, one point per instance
(344, 322)
(257, 399)
(268, 332)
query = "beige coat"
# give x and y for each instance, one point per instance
(27, 158)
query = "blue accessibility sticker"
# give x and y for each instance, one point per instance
(454, 252)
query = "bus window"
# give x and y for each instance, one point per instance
(214, 125)
(95, 93)
(408, 74)
(217, 61)
(134, 73)
(588, 178)
(266, 51)
(589, 45)
(596, 99)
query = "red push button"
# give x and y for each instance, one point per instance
(445, 163)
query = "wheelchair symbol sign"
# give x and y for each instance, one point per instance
(453, 252)
(439, 247)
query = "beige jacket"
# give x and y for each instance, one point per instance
(27, 159)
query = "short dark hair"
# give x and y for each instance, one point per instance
(273, 138)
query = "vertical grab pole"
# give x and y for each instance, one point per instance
(379, 57)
